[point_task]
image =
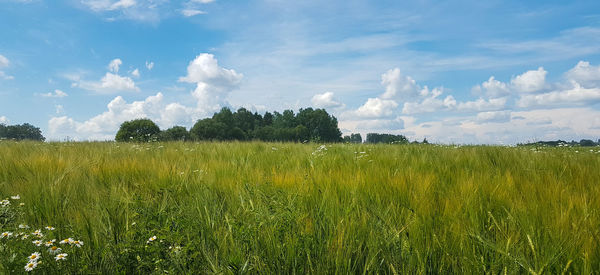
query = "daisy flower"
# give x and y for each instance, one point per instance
(21, 204)
(54, 250)
(23, 226)
(5, 203)
(49, 228)
(34, 257)
(37, 242)
(24, 237)
(66, 241)
(30, 266)
(6, 235)
(50, 242)
(78, 243)
(61, 256)
(15, 197)
(38, 233)
(153, 238)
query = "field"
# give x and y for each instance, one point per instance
(273, 208)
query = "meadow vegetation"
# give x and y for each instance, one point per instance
(269, 208)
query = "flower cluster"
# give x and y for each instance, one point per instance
(40, 240)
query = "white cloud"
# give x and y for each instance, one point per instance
(4, 120)
(191, 12)
(376, 108)
(117, 83)
(326, 100)
(577, 95)
(213, 83)
(104, 126)
(135, 73)
(397, 85)
(429, 104)
(110, 82)
(492, 88)
(585, 74)
(481, 104)
(114, 65)
(4, 61)
(497, 116)
(202, 1)
(57, 93)
(5, 76)
(530, 81)
(108, 5)
(59, 109)
(149, 65)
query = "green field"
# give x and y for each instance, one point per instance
(274, 208)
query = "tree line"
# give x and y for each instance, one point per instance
(24, 131)
(307, 125)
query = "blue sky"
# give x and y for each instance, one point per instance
(497, 72)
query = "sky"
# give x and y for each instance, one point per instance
(467, 72)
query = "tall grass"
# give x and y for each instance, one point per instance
(304, 208)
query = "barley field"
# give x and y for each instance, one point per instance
(285, 208)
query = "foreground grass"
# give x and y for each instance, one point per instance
(301, 208)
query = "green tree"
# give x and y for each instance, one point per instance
(175, 133)
(24, 131)
(208, 129)
(138, 130)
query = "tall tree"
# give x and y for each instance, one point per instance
(137, 130)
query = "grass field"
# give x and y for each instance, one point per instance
(273, 208)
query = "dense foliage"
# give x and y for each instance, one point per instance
(353, 138)
(386, 138)
(24, 131)
(285, 208)
(307, 125)
(138, 130)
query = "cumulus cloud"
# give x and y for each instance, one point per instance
(326, 100)
(104, 126)
(530, 81)
(111, 82)
(149, 65)
(114, 65)
(492, 88)
(135, 73)
(431, 103)
(577, 95)
(57, 93)
(398, 85)
(213, 83)
(4, 120)
(584, 74)
(376, 107)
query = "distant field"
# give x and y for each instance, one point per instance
(300, 208)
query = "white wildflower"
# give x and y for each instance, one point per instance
(54, 250)
(30, 266)
(34, 257)
(61, 256)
